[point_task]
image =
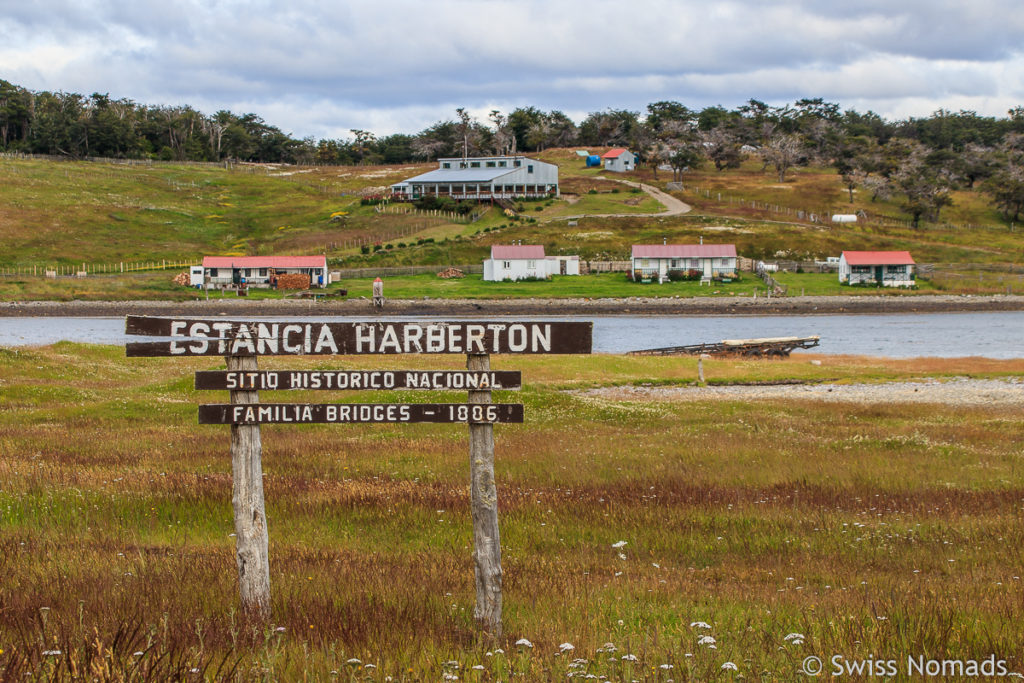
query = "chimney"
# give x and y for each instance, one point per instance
(664, 240)
(702, 239)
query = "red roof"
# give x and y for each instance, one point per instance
(684, 251)
(514, 251)
(264, 262)
(878, 258)
(612, 153)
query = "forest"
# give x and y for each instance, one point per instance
(920, 159)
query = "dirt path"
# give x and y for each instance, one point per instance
(673, 206)
(958, 391)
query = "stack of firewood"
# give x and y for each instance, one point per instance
(293, 281)
(449, 273)
(181, 279)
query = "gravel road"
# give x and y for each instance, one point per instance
(959, 391)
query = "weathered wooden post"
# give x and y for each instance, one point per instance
(484, 504)
(251, 536)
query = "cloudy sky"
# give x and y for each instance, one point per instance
(322, 68)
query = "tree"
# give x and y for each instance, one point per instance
(504, 138)
(683, 158)
(661, 113)
(925, 187)
(722, 148)
(607, 128)
(1006, 184)
(783, 151)
(363, 143)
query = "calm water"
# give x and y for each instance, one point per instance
(945, 335)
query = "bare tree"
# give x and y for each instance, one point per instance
(504, 137)
(782, 152)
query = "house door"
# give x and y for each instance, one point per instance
(561, 267)
(878, 274)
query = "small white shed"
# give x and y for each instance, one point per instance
(619, 160)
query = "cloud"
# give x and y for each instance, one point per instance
(316, 68)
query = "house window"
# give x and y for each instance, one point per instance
(531, 264)
(506, 264)
(474, 164)
(446, 164)
(529, 168)
(490, 164)
(263, 272)
(517, 163)
(462, 164)
(502, 164)
(213, 272)
(645, 263)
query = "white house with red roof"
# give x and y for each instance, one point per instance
(523, 261)
(684, 261)
(880, 268)
(259, 271)
(618, 160)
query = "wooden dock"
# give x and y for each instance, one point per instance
(754, 348)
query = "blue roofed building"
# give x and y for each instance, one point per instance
(483, 178)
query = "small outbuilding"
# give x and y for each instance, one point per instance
(619, 160)
(262, 271)
(880, 268)
(684, 261)
(525, 261)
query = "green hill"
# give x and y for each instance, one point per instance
(104, 214)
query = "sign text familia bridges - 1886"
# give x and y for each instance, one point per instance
(241, 342)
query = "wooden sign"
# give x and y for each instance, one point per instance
(190, 337)
(241, 342)
(358, 413)
(358, 380)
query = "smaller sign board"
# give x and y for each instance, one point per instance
(358, 380)
(359, 413)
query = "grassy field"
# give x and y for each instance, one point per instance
(868, 529)
(71, 213)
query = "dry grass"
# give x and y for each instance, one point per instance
(885, 530)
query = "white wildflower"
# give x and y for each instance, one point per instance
(619, 544)
(523, 642)
(706, 640)
(629, 658)
(353, 662)
(52, 653)
(566, 647)
(794, 636)
(478, 667)
(666, 667)
(700, 624)
(622, 556)
(729, 666)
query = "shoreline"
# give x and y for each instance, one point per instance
(805, 305)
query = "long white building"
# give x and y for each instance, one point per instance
(485, 178)
(710, 261)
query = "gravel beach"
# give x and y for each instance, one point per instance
(710, 305)
(956, 392)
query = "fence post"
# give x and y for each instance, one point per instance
(484, 503)
(251, 538)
